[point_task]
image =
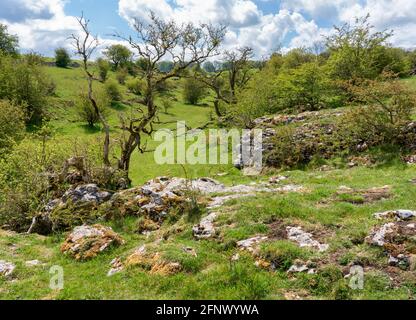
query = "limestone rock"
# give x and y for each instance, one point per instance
(251, 244)
(400, 215)
(116, 267)
(305, 239)
(302, 267)
(152, 262)
(378, 236)
(397, 239)
(6, 268)
(205, 229)
(86, 242)
(69, 210)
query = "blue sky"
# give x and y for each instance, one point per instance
(43, 25)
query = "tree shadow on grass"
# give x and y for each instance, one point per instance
(90, 129)
(118, 106)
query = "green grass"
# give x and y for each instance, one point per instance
(212, 275)
(143, 167)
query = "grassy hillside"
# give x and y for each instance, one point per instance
(65, 120)
(342, 221)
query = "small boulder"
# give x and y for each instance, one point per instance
(399, 215)
(86, 242)
(6, 268)
(205, 229)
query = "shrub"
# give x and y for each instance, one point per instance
(308, 89)
(135, 86)
(113, 91)
(23, 182)
(23, 80)
(193, 91)
(28, 175)
(103, 69)
(166, 104)
(387, 110)
(62, 58)
(121, 76)
(259, 97)
(86, 111)
(12, 125)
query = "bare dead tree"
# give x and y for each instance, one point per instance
(237, 69)
(186, 45)
(85, 46)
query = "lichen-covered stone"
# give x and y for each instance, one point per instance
(152, 262)
(86, 242)
(305, 239)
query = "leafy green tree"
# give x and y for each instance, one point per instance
(193, 90)
(297, 57)
(355, 51)
(62, 58)
(309, 87)
(8, 43)
(119, 55)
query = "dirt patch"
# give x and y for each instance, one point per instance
(277, 230)
(363, 196)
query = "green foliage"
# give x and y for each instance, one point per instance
(12, 125)
(86, 111)
(121, 75)
(259, 97)
(193, 91)
(135, 86)
(23, 81)
(23, 182)
(306, 88)
(119, 55)
(8, 43)
(209, 67)
(387, 109)
(167, 104)
(296, 58)
(356, 51)
(113, 91)
(62, 58)
(103, 69)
